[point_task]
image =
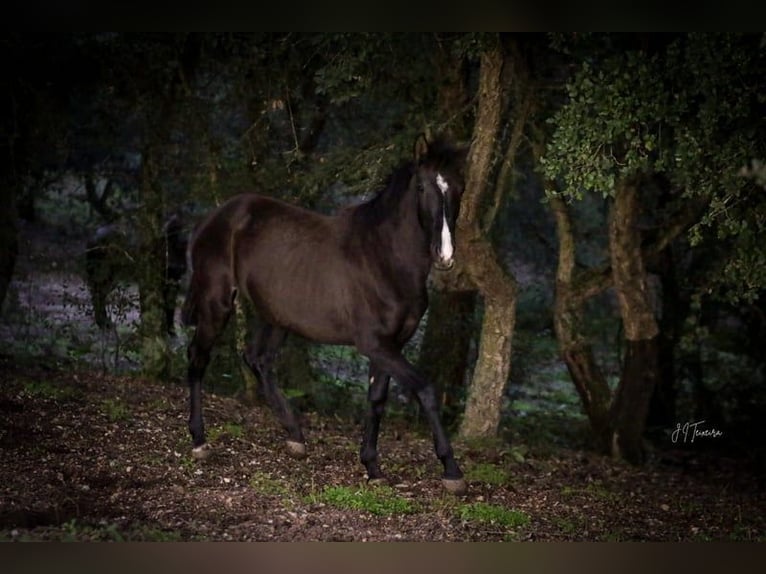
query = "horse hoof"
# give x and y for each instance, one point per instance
(201, 452)
(296, 449)
(455, 485)
(378, 481)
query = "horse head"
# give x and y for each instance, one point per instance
(439, 179)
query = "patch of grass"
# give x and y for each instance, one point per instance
(189, 463)
(150, 534)
(75, 531)
(571, 491)
(614, 536)
(381, 500)
(568, 526)
(598, 490)
(479, 446)
(744, 533)
(291, 393)
(263, 483)
(115, 410)
(234, 430)
(487, 473)
(564, 398)
(493, 514)
(594, 489)
(48, 390)
(159, 404)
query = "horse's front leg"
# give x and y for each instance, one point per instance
(391, 361)
(377, 394)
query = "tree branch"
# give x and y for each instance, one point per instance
(594, 281)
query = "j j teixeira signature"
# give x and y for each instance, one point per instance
(687, 432)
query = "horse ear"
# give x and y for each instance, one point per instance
(420, 148)
(461, 156)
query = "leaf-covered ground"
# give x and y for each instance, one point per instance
(87, 456)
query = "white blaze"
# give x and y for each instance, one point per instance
(447, 250)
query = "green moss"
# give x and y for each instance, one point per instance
(115, 410)
(263, 483)
(234, 430)
(49, 390)
(487, 473)
(493, 514)
(382, 500)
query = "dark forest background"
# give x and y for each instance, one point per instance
(612, 262)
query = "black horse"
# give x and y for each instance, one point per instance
(355, 278)
(112, 254)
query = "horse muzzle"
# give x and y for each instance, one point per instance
(444, 264)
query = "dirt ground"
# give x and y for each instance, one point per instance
(93, 457)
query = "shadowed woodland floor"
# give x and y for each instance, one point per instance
(91, 457)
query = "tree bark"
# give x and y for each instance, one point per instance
(493, 365)
(9, 240)
(640, 363)
(478, 266)
(444, 351)
(575, 349)
(662, 408)
(155, 351)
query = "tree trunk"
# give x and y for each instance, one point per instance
(493, 364)
(575, 349)
(662, 408)
(444, 351)
(640, 363)
(9, 238)
(477, 266)
(155, 352)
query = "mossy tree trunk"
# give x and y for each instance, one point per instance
(575, 348)
(493, 364)
(662, 409)
(155, 352)
(9, 240)
(477, 265)
(640, 362)
(574, 288)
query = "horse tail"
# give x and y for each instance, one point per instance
(211, 256)
(189, 308)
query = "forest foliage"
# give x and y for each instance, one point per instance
(157, 124)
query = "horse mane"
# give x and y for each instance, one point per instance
(392, 191)
(441, 153)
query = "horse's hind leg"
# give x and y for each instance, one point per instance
(98, 298)
(212, 316)
(259, 356)
(99, 285)
(169, 294)
(377, 394)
